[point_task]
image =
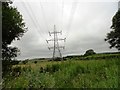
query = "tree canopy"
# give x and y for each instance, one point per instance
(113, 38)
(89, 52)
(13, 28)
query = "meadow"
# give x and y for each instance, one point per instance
(94, 71)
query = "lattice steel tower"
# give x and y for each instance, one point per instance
(119, 5)
(56, 46)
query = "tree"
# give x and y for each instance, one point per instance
(89, 52)
(113, 38)
(25, 61)
(13, 28)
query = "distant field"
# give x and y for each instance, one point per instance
(96, 71)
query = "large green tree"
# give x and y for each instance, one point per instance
(13, 28)
(113, 38)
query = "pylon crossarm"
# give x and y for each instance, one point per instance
(62, 39)
(56, 47)
(50, 40)
(55, 39)
(54, 32)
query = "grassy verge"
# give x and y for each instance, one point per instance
(65, 74)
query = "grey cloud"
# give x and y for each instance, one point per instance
(88, 27)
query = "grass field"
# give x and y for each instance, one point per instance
(96, 71)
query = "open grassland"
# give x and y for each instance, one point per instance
(97, 71)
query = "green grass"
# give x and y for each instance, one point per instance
(100, 73)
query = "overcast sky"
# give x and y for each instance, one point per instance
(84, 24)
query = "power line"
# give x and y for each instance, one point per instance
(44, 16)
(31, 17)
(73, 9)
(62, 13)
(72, 12)
(33, 20)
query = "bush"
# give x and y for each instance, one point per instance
(89, 52)
(16, 71)
(64, 58)
(6, 67)
(58, 59)
(24, 62)
(35, 62)
(14, 62)
(52, 68)
(41, 70)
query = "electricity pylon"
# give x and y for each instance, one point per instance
(118, 5)
(56, 44)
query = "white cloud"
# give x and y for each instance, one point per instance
(85, 25)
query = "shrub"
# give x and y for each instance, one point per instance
(58, 59)
(41, 70)
(35, 62)
(89, 52)
(16, 71)
(52, 68)
(6, 67)
(64, 58)
(24, 62)
(14, 62)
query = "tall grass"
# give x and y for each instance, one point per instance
(68, 74)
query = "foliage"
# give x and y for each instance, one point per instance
(13, 28)
(15, 62)
(58, 59)
(35, 62)
(7, 64)
(6, 67)
(113, 38)
(9, 52)
(12, 24)
(25, 61)
(89, 52)
(16, 71)
(100, 56)
(101, 73)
